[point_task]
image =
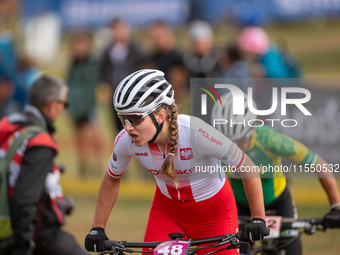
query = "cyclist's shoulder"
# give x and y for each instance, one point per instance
(275, 141)
(122, 136)
(264, 128)
(191, 122)
(267, 136)
(265, 132)
(184, 119)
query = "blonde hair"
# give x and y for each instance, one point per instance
(168, 164)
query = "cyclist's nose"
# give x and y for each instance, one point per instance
(128, 126)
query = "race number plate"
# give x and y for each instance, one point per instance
(174, 247)
(274, 224)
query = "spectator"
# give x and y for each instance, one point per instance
(201, 62)
(8, 69)
(20, 71)
(36, 203)
(167, 58)
(257, 48)
(28, 72)
(119, 60)
(82, 79)
(232, 65)
(267, 60)
(6, 91)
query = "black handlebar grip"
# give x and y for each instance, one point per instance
(316, 221)
(108, 245)
(266, 232)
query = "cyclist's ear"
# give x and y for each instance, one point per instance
(160, 115)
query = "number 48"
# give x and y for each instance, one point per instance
(175, 250)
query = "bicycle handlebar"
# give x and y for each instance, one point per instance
(285, 221)
(309, 225)
(193, 242)
(311, 221)
(108, 244)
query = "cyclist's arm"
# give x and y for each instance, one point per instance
(329, 183)
(253, 189)
(211, 142)
(107, 197)
(300, 154)
(109, 188)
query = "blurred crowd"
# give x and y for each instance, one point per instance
(250, 55)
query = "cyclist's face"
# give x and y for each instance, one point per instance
(139, 133)
(142, 130)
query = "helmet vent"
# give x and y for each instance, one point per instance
(142, 92)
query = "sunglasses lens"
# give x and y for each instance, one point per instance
(133, 120)
(136, 120)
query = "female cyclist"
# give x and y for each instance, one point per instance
(265, 146)
(177, 150)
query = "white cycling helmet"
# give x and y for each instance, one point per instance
(133, 93)
(235, 131)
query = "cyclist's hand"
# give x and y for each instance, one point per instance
(332, 219)
(95, 240)
(254, 230)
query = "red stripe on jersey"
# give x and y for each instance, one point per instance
(17, 158)
(185, 191)
(57, 211)
(114, 175)
(156, 153)
(173, 192)
(241, 162)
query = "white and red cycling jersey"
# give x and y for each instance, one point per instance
(197, 160)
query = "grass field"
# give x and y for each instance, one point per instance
(316, 44)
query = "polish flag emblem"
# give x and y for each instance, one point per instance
(186, 153)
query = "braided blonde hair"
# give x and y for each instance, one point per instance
(168, 164)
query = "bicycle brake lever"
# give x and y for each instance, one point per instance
(192, 252)
(226, 240)
(236, 245)
(109, 252)
(310, 230)
(322, 229)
